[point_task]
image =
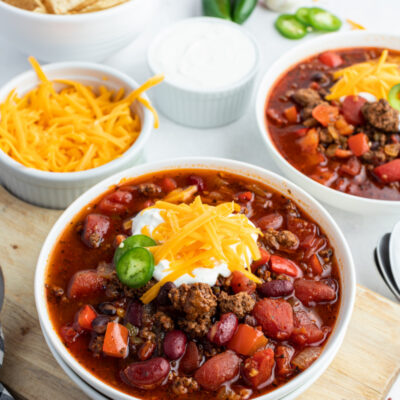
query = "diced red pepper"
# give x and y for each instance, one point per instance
(247, 340)
(245, 197)
(301, 132)
(331, 59)
(325, 114)
(168, 184)
(241, 283)
(291, 114)
(116, 340)
(389, 172)
(358, 144)
(281, 265)
(316, 265)
(85, 317)
(343, 127)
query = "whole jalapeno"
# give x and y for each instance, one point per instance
(217, 8)
(242, 10)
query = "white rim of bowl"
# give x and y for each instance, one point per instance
(261, 101)
(201, 163)
(220, 21)
(146, 128)
(68, 17)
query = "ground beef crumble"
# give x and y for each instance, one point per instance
(240, 303)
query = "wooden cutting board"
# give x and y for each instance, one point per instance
(364, 369)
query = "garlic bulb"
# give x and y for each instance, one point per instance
(281, 5)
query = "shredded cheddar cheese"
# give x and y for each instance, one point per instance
(354, 25)
(73, 129)
(374, 76)
(197, 235)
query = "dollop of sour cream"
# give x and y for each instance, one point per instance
(151, 218)
(204, 54)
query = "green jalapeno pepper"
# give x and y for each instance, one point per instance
(290, 27)
(130, 243)
(217, 8)
(394, 97)
(135, 268)
(303, 15)
(323, 20)
(242, 10)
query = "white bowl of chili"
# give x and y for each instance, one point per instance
(59, 189)
(361, 41)
(307, 204)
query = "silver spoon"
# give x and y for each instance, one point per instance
(383, 263)
(394, 253)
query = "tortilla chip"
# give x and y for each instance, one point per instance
(62, 6)
(29, 5)
(101, 5)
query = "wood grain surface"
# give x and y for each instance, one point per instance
(364, 369)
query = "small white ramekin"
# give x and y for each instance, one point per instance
(59, 189)
(203, 108)
(86, 37)
(285, 187)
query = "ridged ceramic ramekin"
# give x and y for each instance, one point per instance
(59, 189)
(203, 108)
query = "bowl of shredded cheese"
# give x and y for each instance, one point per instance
(65, 127)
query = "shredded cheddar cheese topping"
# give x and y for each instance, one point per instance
(374, 76)
(197, 235)
(70, 130)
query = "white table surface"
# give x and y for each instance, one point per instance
(241, 140)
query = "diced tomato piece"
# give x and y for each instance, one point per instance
(310, 292)
(283, 356)
(351, 167)
(325, 114)
(116, 201)
(306, 231)
(116, 340)
(351, 109)
(245, 197)
(247, 340)
(217, 370)
(168, 184)
(85, 283)
(358, 144)
(342, 153)
(305, 330)
(291, 114)
(95, 228)
(316, 265)
(265, 256)
(315, 85)
(343, 127)
(309, 143)
(331, 59)
(281, 265)
(389, 172)
(273, 220)
(68, 334)
(85, 316)
(275, 316)
(241, 283)
(257, 369)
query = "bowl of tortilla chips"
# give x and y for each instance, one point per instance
(65, 30)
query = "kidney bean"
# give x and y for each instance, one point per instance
(174, 344)
(191, 359)
(99, 324)
(146, 350)
(217, 370)
(310, 291)
(107, 308)
(162, 298)
(223, 330)
(273, 221)
(198, 181)
(95, 228)
(134, 313)
(276, 288)
(146, 374)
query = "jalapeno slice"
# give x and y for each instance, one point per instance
(290, 27)
(217, 8)
(135, 268)
(303, 15)
(130, 243)
(394, 97)
(323, 20)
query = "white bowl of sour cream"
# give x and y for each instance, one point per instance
(209, 66)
